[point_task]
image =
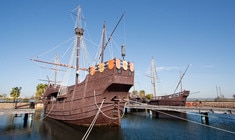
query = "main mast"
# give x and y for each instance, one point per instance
(153, 77)
(79, 33)
(56, 68)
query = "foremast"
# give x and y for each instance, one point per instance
(103, 40)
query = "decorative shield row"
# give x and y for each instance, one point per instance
(110, 64)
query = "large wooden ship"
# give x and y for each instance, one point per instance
(99, 98)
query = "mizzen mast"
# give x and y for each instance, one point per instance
(103, 39)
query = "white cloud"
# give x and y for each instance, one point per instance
(167, 68)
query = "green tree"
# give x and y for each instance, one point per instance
(134, 92)
(142, 93)
(40, 90)
(15, 92)
(149, 96)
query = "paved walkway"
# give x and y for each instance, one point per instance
(182, 108)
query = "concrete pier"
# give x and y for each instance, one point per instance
(204, 117)
(183, 108)
(16, 111)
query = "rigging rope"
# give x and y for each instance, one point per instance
(55, 47)
(49, 111)
(85, 52)
(93, 122)
(65, 52)
(65, 81)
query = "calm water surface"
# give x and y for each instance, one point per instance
(134, 126)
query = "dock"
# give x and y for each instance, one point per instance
(16, 111)
(204, 111)
(182, 108)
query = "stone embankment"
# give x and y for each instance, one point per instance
(212, 104)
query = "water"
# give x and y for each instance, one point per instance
(134, 126)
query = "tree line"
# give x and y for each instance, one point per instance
(141, 94)
(16, 92)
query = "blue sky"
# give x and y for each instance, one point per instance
(175, 33)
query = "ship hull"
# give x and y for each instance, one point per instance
(80, 104)
(176, 99)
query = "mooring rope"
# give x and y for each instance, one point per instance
(112, 118)
(93, 122)
(123, 113)
(201, 115)
(231, 132)
(224, 130)
(49, 111)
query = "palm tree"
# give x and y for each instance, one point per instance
(134, 92)
(15, 92)
(40, 90)
(142, 93)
